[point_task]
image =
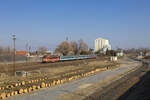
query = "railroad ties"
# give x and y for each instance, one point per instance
(44, 82)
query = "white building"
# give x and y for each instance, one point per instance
(102, 44)
(120, 53)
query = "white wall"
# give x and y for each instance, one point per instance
(101, 43)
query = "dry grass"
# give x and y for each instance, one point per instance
(55, 71)
(52, 76)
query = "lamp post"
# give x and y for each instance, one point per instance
(28, 48)
(14, 54)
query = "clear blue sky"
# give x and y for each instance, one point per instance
(126, 23)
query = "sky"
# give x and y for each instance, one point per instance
(126, 23)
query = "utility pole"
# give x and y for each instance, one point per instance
(14, 54)
(26, 51)
(29, 52)
(28, 48)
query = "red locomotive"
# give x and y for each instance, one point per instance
(50, 59)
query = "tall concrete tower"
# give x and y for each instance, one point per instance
(102, 44)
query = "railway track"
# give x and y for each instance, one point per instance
(63, 77)
(77, 83)
(120, 89)
(34, 66)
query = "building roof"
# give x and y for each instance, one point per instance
(101, 39)
(21, 52)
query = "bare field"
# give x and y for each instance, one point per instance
(8, 68)
(55, 70)
(51, 76)
(50, 69)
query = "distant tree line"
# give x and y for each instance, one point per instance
(136, 51)
(41, 50)
(73, 48)
(5, 50)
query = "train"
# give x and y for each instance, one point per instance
(47, 59)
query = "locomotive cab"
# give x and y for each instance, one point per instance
(46, 59)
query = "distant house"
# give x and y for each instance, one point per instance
(25, 53)
(120, 53)
(49, 52)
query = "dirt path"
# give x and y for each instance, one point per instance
(8, 68)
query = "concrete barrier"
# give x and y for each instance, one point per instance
(29, 89)
(16, 92)
(8, 94)
(38, 87)
(3, 95)
(23, 83)
(20, 91)
(12, 93)
(34, 87)
(42, 85)
(25, 90)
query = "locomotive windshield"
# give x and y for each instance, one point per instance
(53, 57)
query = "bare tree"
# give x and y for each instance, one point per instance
(42, 50)
(5, 50)
(64, 48)
(8, 50)
(75, 47)
(83, 47)
(1, 50)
